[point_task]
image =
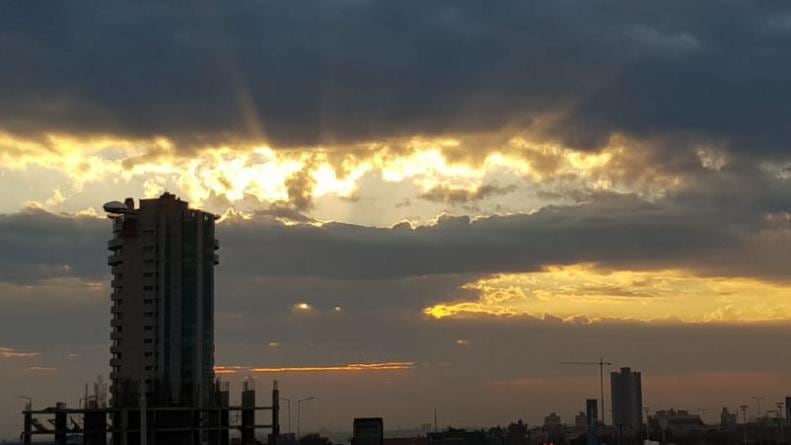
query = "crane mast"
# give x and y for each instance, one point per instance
(601, 363)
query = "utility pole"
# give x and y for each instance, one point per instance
(743, 408)
(289, 413)
(600, 364)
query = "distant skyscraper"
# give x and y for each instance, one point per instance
(163, 258)
(627, 400)
(592, 414)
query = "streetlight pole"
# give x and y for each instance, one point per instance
(289, 413)
(299, 402)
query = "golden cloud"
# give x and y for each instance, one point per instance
(7, 352)
(584, 292)
(353, 367)
(262, 174)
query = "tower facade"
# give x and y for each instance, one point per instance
(162, 257)
(592, 415)
(627, 400)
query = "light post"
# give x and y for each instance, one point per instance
(299, 402)
(289, 413)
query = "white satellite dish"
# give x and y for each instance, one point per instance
(115, 207)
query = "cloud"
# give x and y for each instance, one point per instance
(353, 367)
(41, 245)
(7, 352)
(586, 294)
(618, 231)
(315, 73)
(451, 195)
(725, 223)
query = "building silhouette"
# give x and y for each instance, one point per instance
(592, 415)
(627, 400)
(787, 405)
(552, 420)
(368, 431)
(162, 367)
(162, 259)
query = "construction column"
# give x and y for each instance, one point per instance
(248, 413)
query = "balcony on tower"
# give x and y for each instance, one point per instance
(115, 243)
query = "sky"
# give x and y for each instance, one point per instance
(423, 204)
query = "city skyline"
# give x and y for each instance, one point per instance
(420, 205)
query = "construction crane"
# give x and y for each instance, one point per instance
(600, 364)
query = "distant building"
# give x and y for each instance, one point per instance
(627, 400)
(727, 419)
(552, 420)
(679, 423)
(788, 409)
(580, 420)
(458, 437)
(368, 431)
(162, 259)
(592, 415)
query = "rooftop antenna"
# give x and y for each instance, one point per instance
(435, 420)
(600, 364)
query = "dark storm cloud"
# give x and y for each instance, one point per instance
(310, 72)
(38, 245)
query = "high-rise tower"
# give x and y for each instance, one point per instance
(627, 400)
(162, 259)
